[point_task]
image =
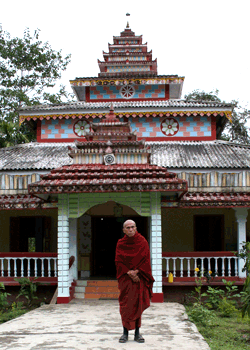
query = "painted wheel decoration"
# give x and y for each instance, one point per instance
(81, 128)
(170, 127)
(127, 91)
(109, 159)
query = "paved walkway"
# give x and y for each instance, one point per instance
(96, 325)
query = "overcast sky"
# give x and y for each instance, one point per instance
(205, 41)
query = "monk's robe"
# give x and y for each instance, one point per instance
(132, 253)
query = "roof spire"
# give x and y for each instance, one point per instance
(127, 14)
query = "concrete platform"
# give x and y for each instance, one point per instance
(96, 325)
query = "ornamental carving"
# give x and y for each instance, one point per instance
(169, 127)
(127, 91)
(81, 128)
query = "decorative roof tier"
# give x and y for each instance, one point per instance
(127, 55)
(127, 166)
(110, 142)
(86, 178)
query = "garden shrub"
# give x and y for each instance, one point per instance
(200, 315)
(227, 307)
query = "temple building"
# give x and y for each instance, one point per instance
(129, 148)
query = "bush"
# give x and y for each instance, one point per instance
(200, 315)
(227, 307)
(3, 296)
(28, 289)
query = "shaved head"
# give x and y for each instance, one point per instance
(128, 222)
(129, 228)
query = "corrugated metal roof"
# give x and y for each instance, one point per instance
(177, 104)
(171, 154)
(35, 155)
(200, 154)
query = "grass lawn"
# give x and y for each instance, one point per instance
(227, 333)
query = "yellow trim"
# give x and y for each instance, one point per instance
(87, 82)
(22, 118)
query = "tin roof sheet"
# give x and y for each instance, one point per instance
(172, 154)
(126, 105)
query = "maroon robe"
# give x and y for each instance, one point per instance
(132, 253)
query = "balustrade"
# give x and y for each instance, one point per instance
(183, 264)
(28, 265)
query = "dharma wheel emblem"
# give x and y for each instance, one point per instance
(81, 128)
(127, 91)
(109, 159)
(169, 127)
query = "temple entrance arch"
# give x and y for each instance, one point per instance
(99, 230)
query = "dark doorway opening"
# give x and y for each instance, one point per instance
(208, 233)
(105, 233)
(28, 234)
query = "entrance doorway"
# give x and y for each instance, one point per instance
(105, 233)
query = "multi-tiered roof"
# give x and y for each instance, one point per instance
(111, 160)
(127, 55)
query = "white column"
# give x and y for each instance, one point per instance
(241, 218)
(63, 249)
(73, 272)
(156, 241)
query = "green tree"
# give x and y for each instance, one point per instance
(29, 70)
(235, 131)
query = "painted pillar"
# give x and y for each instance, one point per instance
(73, 273)
(63, 250)
(241, 218)
(156, 246)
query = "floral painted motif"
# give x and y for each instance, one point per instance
(170, 127)
(81, 128)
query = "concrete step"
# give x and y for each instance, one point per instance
(82, 283)
(79, 295)
(79, 289)
(97, 289)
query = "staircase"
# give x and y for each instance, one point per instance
(95, 289)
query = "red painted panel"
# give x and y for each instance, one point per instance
(157, 298)
(63, 300)
(87, 93)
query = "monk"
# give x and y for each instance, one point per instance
(135, 280)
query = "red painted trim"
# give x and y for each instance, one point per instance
(157, 298)
(197, 254)
(39, 131)
(72, 290)
(211, 206)
(167, 92)
(27, 255)
(213, 126)
(87, 93)
(10, 281)
(63, 300)
(193, 284)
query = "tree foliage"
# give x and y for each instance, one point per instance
(236, 130)
(29, 70)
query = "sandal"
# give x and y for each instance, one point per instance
(139, 339)
(123, 339)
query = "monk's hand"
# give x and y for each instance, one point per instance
(136, 279)
(133, 275)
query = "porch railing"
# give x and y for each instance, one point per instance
(28, 264)
(183, 264)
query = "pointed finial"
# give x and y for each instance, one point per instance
(127, 14)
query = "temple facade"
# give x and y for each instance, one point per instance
(129, 148)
